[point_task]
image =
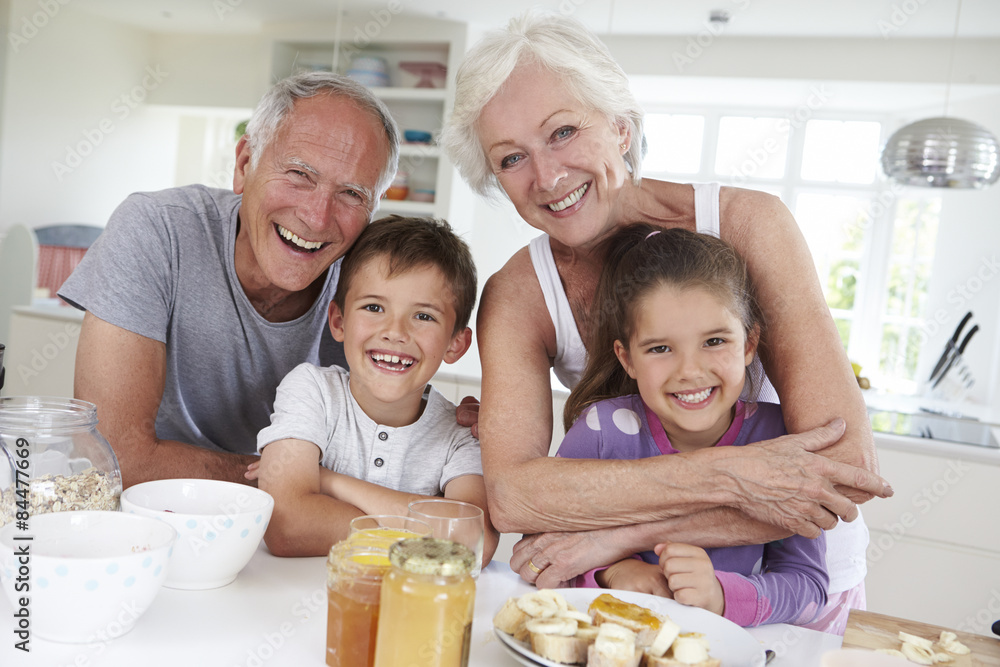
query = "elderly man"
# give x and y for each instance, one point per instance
(200, 300)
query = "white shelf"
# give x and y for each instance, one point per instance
(420, 150)
(405, 207)
(426, 166)
(411, 94)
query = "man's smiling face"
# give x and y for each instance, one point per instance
(309, 194)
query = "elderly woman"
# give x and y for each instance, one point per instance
(545, 115)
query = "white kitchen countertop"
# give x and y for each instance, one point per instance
(275, 614)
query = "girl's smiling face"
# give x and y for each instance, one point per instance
(688, 354)
(559, 162)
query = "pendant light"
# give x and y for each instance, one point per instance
(943, 152)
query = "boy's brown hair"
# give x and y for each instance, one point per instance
(408, 243)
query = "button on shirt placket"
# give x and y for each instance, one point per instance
(379, 461)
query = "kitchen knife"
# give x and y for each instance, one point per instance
(956, 356)
(950, 346)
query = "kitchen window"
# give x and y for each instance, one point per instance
(873, 246)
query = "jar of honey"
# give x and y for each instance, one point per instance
(354, 583)
(427, 605)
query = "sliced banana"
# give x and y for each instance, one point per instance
(576, 616)
(615, 641)
(616, 632)
(907, 638)
(669, 632)
(949, 642)
(538, 605)
(917, 653)
(891, 651)
(691, 648)
(552, 594)
(943, 658)
(563, 627)
(947, 637)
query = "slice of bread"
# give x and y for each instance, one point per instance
(565, 650)
(595, 659)
(646, 623)
(510, 618)
(690, 649)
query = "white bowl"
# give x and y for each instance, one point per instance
(90, 575)
(219, 524)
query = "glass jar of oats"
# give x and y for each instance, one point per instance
(54, 459)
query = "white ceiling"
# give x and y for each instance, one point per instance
(812, 18)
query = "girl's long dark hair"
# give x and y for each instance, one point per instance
(639, 258)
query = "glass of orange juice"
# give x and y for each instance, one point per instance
(383, 530)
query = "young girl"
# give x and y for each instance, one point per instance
(675, 328)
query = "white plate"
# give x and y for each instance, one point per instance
(730, 643)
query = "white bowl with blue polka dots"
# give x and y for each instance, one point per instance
(83, 577)
(219, 526)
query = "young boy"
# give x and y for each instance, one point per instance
(382, 435)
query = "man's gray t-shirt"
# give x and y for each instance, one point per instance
(164, 268)
(316, 405)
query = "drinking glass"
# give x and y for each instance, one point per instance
(456, 521)
(383, 530)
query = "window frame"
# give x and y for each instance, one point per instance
(864, 345)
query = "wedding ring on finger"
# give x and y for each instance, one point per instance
(534, 568)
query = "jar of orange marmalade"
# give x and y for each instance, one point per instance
(427, 605)
(354, 583)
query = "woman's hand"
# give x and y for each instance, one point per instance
(784, 483)
(632, 574)
(559, 557)
(690, 576)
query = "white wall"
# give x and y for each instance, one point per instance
(77, 138)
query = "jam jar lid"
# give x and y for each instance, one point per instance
(428, 555)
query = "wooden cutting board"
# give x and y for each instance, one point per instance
(868, 630)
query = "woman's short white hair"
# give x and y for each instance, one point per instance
(279, 100)
(562, 45)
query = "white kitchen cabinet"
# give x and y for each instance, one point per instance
(298, 48)
(934, 554)
(41, 353)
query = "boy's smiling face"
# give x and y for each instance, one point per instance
(396, 332)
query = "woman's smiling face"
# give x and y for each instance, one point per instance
(558, 161)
